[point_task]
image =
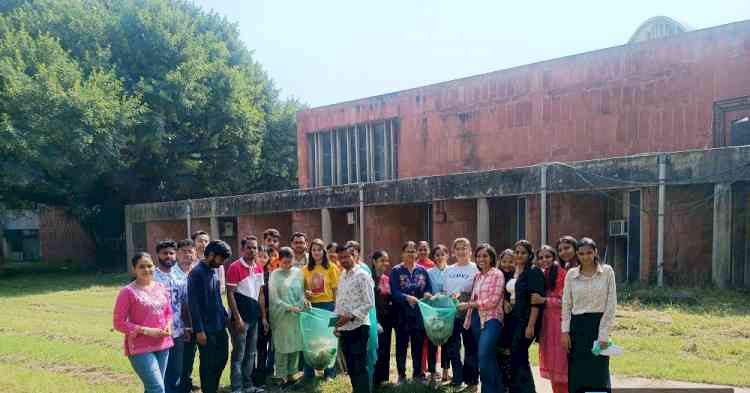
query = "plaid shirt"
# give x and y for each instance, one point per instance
(488, 291)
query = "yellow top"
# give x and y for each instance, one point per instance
(322, 283)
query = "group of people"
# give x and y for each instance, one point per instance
(563, 297)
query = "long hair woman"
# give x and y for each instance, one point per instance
(553, 360)
(385, 315)
(588, 311)
(321, 281)
(567, 251)
(486, 308)
(143, 313)
(525, 319)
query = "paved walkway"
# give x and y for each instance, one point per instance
(543, 386)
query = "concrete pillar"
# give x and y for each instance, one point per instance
(129, 245)
(188, 218)
(214, 221)
(483, 221)
(543, 201)
(326, 226)
(661, 202)
(721, 260)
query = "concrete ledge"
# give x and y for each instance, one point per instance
(687, 167)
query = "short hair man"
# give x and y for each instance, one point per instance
(299, 246)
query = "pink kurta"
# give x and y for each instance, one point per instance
(553, 361)
(147, 307)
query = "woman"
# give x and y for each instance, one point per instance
(553, 361)
(287, 299)
(143, 313)
(588, 311)
(385, 315)
(439, 255)
(265, 348)
(333, 257)
(508, 267)
(567, 249)
(486, 305)
(458, 280)
(525, 319)
(409, 283)
(321, 281)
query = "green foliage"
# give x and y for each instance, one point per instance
(109, 102)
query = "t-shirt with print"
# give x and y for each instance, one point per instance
(247, 280)
(321, 282)
(458, 279)
(177, 285)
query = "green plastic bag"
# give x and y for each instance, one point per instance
(437, 315)
(319, 344)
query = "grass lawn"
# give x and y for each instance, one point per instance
(56, 336)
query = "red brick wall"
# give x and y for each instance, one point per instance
(157, 231)
(688, 236)
(578, 215)
(62, 239)
(649, 217)
(308, 222)
(387, 227)
(255, 225)
(342, 231)
(199, 224)
(533, 220)
(460, 221)
(650, 96)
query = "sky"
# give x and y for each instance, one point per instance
(324, 52)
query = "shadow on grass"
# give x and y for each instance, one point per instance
(23, 279)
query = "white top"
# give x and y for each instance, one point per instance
(595, 294)
(299, 262)
(355, 295)
(459, 278)
(510, 286)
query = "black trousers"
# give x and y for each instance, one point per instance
(213, 357)
(188, 359)
(468, 369)
(354, 345)
(432, 357)
(586, 370)
(404, 336)
(522, 380)
(264, 365)
(383, 365)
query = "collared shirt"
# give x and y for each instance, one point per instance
(176, 283)
(204, 297)
(300, 262)
(488, 291)
(355, 295)
(595, 294)
(246, 278)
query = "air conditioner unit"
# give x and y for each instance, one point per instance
(618, 228)
(350, 218)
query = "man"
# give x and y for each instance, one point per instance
(354, 300)
(208, 315)
(201, 240)
(166, 273)
(244, 282)
(355, 249)
(299, 246)
(187, 259)
(271, 238)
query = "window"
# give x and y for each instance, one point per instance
(359, 153)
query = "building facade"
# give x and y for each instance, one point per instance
(638, 146)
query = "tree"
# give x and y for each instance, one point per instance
(109, 102)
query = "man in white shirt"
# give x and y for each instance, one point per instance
(354, 299)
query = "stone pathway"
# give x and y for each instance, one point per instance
(543, 385)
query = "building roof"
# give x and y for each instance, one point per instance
(658, 27)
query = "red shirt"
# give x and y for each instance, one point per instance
(426, 263)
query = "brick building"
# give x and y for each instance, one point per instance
(639, 146)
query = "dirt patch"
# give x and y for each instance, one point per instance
(92, 375)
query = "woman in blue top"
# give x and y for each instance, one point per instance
(440, 256)
(409, 283)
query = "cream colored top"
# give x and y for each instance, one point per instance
(595, 294)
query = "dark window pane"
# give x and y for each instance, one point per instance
(343, 156)
(327, 157)
(394, 146)
(379, 151)
(312, 161)
(362, 149)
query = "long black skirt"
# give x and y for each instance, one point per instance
(586, 370)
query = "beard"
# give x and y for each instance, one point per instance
(167, 262)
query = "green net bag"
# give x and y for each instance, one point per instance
(438, 314)
(318, 342)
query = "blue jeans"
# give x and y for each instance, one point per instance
(489, 369)
(329, 372)
(466, 370)
(150, 367)
(244, 347)
(172, 376)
